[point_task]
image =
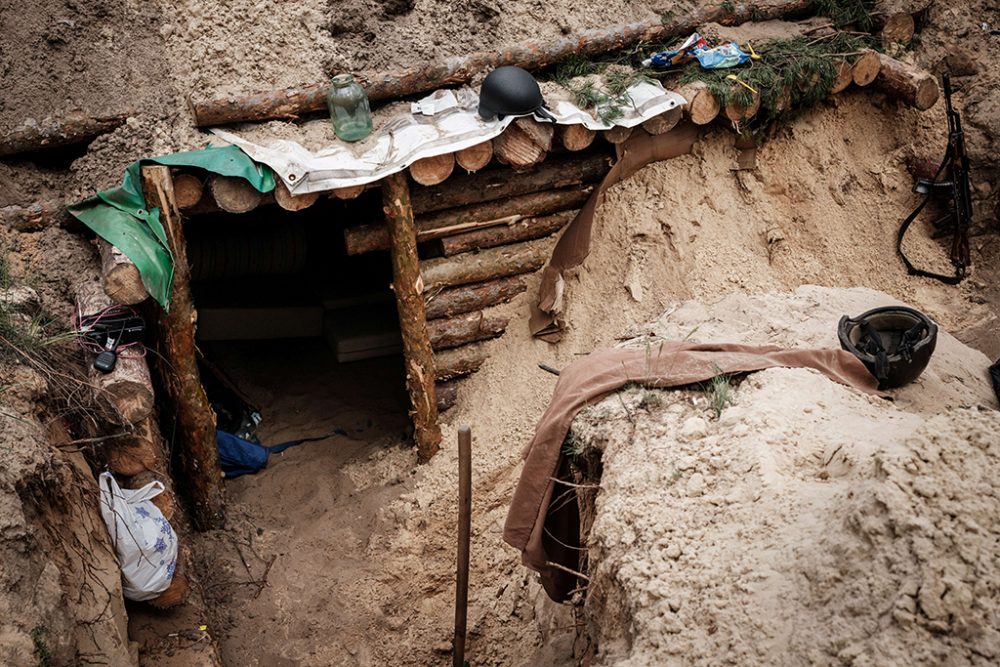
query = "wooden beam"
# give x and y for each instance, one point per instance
(531, 54)
(505, 183)
(458, 361)
(178, 367)
(408, 287)
(58, 131)
(467, 298)
(366, 238)
(521, 230)
(908, 84)
(489, 264)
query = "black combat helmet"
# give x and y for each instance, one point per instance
(511, 91)
(894, 343)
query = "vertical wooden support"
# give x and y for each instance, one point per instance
(408, 286)
(178, 368)
(464, 534)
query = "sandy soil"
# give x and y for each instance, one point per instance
(807, 523)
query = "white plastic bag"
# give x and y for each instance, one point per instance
(145, 542)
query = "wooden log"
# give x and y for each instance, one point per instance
(474, 267)
(738, 113)
(906, 83)
(366, 238)
(617, 134)
(286, 200)
(120, 277)
(517, 148)
(177, 593)
(36, 217)
(188, 189)
(352, 192)
(408, 287)
(178, 366)
(233, 194)
(576, 137)
(897, 28)
(166, 502)
(702, 107)
(433, 170)
(664, 122)
(467, 298)
(128, 389)
(446, 394)
(539, 133)
(866, 68)
(465, 329)
(845, 76)
(521, 230)
(459, 361)
(63, 130)
(530, 54)
(503, 183)
(138, 451)
(474, 158)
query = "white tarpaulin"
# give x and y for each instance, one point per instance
(443, 122)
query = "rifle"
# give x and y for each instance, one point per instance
(959, 216)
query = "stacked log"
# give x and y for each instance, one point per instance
(906, 83)
(367, 238)
(352, 192)
(433, 170)
(458, 361)
(188, 189)
(490, 264)
(576, 137)
(35, 217)
(524, 143)
(865, 68)
(233, 194)
(664, 122)
(504, 183)
(702, 107)
(474, 158)
(464, 329)
(519, 230)
(120, 277)
(286, 200)
(128, 389)
(467, 298)
(446, 394)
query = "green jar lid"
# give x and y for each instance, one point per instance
(343, 80)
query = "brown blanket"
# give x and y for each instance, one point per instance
(546, 537)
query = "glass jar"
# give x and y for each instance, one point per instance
(349, 110)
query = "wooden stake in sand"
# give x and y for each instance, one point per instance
(409, 287)
(464, 535)
(178, 367)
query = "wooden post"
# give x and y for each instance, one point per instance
(409, 288)
(178, 367)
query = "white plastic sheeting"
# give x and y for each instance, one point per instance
(443, 122)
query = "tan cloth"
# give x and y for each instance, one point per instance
(544, 536)
(573, 246)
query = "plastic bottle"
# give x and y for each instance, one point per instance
(349, 110)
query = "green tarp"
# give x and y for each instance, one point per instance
(119, 216)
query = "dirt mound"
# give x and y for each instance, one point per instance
(808, 523)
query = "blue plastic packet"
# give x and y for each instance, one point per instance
(721, 57)
(685, 53)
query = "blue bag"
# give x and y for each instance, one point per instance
(243, 457)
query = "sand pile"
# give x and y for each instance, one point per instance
(808, 523)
